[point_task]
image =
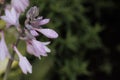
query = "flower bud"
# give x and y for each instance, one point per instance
(33, 12)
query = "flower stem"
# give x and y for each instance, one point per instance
(10, 62)
(8, 69)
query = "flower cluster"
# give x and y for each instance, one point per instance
(32, 29)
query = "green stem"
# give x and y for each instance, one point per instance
(8, 69)
(10, 62)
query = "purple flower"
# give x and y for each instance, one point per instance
(37, 48)
(24, 64)
(4, 53)
(32, 13)
(20, 5)
(34, 24)
(11, 17)
(47, 32)
(39, 22)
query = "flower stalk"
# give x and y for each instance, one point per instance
(10, 61)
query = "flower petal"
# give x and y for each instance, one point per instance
(25, 65)
(4, 53)
(39, 47)
(6, 19)
(34, 33)
(11, 17)
(20, 5)
(44, 21)
(48, 33)
(23, 62)
(46, 43)
(31, 50)
(47, 49)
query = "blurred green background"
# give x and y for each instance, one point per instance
(88, 46)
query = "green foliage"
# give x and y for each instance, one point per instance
(72, 68)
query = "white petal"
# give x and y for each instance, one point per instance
(47, 49)
(46, 43)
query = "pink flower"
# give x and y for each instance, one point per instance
(20, 5)
(4, 53)
(24, 64)
(11, 17)
(37, 48)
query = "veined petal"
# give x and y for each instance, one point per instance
(31, 50)
(6, 19)
(48, 33)
(20, 5)
(39, 47)
(46, 48)
(16, 4)
(25, 65)
(34, 33)
(11, 17)
(25, 2)
(44, 21)
(13, 14)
